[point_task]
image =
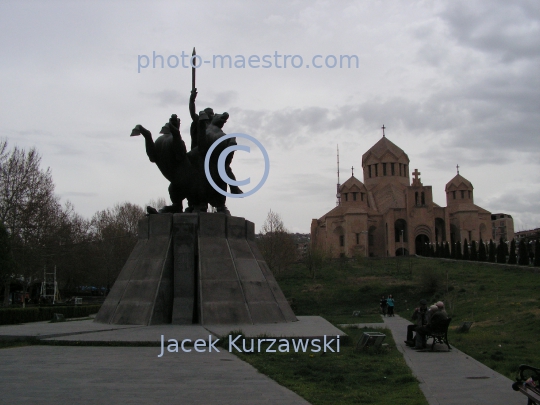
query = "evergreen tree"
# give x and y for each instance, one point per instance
(437, 250)
(446, 250)
(482, 256)
(431, 250)
(501, 255)
(492, 251)
(506, 251)
(537, 253)
(453, 252)
(523, 253)
(466, 255)
(474, 251)
(513, 258)
(459, 256)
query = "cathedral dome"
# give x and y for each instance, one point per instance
(352, 191)
(350, 183)
(459, 183)
(385, 163)
(383, 147)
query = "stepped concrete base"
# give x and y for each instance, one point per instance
(195, 269)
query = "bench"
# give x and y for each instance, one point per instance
(528, 383)
(440, 336)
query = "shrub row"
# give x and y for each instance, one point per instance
(10, 316)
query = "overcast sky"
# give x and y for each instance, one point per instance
(454, 83)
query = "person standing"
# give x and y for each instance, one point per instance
(390, 302)
(384, 305)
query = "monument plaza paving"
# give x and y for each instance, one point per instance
(135, 375)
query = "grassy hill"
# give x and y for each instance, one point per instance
(503, 301)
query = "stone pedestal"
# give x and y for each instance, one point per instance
(195, 268)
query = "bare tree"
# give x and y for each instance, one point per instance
(6, 262)
(276, 244)
(157, 203)
(115, 232)
(28, 209)
(314, 260)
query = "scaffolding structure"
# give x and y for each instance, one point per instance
(49, 286)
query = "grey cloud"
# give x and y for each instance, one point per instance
(305, 185)
(508, 29)
(167, 98)
(523, 205)
(78, 194)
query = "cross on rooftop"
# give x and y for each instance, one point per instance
(457, 167)
(352, 168)
(383, 127)
(416, 173)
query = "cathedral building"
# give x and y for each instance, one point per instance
(390, 215)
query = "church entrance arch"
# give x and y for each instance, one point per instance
(421, 243)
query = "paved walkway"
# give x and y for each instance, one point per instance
(135, 375)
(452, 377)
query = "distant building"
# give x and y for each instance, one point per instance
(387, 215)
(502, 227)
(529, 236)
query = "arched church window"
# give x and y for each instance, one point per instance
(454, 195)
(423, 198)
(400, 169)
(384, 169)
(416, 198)
(346, 196)
(462, 194)
(341, 240)
(369, 170)
(354, 196)
(392, 165)
(376, 169)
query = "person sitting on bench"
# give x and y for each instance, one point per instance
(419, 316)
(436, 323)
(440, 305)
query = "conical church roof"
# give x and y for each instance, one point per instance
(457, 181)
(351, 181)
(381, 147)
